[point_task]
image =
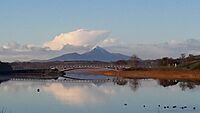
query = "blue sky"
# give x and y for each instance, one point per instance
(149, 22)
(135, 21)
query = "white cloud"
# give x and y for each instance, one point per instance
(79, 37)
(72, 49)
(170, 49)
(110, 42)
(16, 52)
(153, 51)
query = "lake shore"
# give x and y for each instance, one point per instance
(151, 74)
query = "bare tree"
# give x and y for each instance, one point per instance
(183, 55)
(191, 57)
(134, 61)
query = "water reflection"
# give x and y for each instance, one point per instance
(18, 86)
(114, 96)
(120, 81)
(134, 84)
(77, 95)
(166, 83)
(67, 93)
(188, 84)
(4, 78)
(183, 84)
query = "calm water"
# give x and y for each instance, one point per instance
(127, 96)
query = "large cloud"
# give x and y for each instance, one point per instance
(79, 37)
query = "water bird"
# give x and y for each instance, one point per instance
(144, 106)
(194, 107)
(38, 90)
(158, 105)
(167, 106)
(173, 106)
(164, 107)
(125, 104)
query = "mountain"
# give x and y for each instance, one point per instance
(96, 54)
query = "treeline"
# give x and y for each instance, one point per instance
(190, 62)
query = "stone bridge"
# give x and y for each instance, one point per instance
(75, 67)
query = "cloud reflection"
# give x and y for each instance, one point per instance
(14, 87)
(79, 95)
(67, 93)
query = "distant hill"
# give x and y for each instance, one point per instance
(37, 60)
(96, 54)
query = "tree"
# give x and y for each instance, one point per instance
(165, 61)
(134, 61)
(191, 57)
(183, 55)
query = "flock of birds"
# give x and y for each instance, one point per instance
(173, 107)
(166, 107)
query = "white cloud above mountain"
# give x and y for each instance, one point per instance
(79, 37)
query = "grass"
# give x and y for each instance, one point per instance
(154, 74)
(194, 65)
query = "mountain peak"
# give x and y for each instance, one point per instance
(99, 49)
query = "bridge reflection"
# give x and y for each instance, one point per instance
(63, 79)
(133, 83)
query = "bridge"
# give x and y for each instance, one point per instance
(75, 67)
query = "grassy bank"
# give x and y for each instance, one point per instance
(154, 74)
(193, 65)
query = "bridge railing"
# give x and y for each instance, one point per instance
(74, 67)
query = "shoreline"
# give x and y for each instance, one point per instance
(151, 74)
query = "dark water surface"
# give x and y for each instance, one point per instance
(124, 96)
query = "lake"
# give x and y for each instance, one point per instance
(100, 96)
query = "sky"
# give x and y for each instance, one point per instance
(32, 27)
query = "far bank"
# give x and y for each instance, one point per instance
(152, 74)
